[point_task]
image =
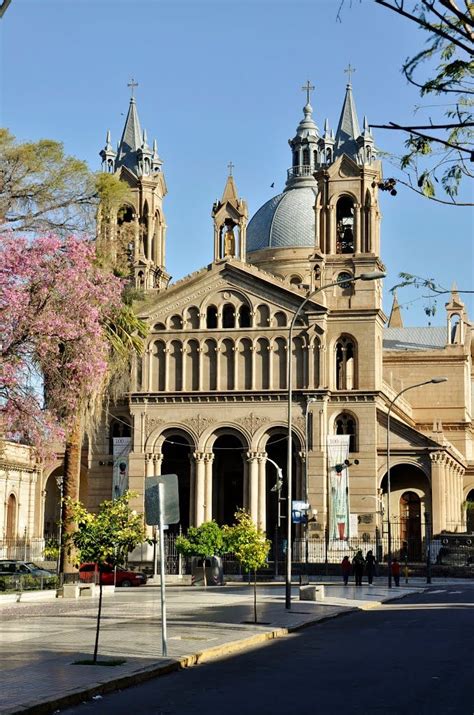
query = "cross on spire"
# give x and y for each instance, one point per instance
(308, 87)
(349, 69)
(230, 166)
(132, 84)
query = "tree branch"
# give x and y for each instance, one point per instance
(392, 125)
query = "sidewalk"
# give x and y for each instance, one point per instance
(41, 641)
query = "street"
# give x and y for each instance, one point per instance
(412, 656)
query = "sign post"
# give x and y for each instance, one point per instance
(162, 507)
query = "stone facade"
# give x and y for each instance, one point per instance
(209, 395)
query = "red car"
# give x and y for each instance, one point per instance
(110, 576)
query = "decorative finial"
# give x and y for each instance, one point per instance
(349, 69)
(308, 87)
(230, 166)
(132, 84)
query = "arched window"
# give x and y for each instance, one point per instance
(244, 317)
(315, 158)
(227, 361)
(176, 366)
(280, 319)
(295, 280)
(279, 364)
(211, 317)
(345, 225)
(192, 317)
(118, 428)
(158, 367)
(11, 517)
(245, 364)
(346, 424)
(209, 365)
(455, 329)
(296, 159)
(159, 326)
(305, 157)
(263, 316)
(228, 316)
(176, 322)
(262, 364)
(192, 365)
(345, 364)
(298, 363)
(328, 155)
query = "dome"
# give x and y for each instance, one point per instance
(285, 221)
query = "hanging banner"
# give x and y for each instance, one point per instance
(121, 449)
(338, 452)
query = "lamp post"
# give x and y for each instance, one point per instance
(277, 488)
(373, 275)
(309, 401)
(434, 381)
(379, 512)
(60, 484)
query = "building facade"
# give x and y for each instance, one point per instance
(209, 395)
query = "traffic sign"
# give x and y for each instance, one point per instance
(170, 507)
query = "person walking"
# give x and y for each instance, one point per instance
(370, 567)
(396, 571)
(346, 569)
(358, 563)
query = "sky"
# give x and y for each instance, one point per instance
(220, 81)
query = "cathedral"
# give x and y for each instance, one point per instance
(209, 396)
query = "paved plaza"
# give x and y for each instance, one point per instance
(40, 641)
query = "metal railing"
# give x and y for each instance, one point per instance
(22, 549)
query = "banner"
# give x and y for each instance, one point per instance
(121, 449)
(338, 452)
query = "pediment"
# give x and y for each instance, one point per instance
(402, 435)
(344, 167)
(230, 277)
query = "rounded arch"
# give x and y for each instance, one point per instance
(345, 362)
(228, 315)
(211, 317)
(295, 280)
(177, 445)
(279, 319)
(245, 316)
(158, 366)
(209, 365)
(191, 364)
(159, 326)
(262, 364)
(119, 426)
(345, 205)
(52, 504)
(227, 364)
(175, 322)
(346, 423)
(262, 315)
(175, 381)
(244, 364)
(228, 471)
(11, 524)
(193, 317)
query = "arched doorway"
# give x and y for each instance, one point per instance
(11, 525)
(470, 512)
(52, 509)
(410, 524)
(176, 450)
(227, 477)
(276, 449)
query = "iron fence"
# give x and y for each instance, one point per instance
(22, 549)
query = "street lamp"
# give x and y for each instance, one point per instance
(309, 401)
(371, 276)
(277, 488)
(434, 381)
(60, 484)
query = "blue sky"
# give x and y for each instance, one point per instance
(220, 80)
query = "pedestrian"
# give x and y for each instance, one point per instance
(396, 571)
(370, 566)
(358, 563)
(346, 569)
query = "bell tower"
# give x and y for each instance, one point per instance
(136, 230)
(230, 215)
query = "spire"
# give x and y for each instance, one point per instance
(108, 155)
(395, 320)
(348, 128)
(230, 222)
(131, 139)
(304, 147)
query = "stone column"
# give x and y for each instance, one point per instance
(438, 491)
(253, 484)
(208, 460)
(357, 229)
(192, 490)
(332, 229)
(199, 470)
(262, 491)
(157, 462)
(149, 465)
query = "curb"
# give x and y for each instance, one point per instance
(153, 671)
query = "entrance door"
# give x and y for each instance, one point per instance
(410, 524)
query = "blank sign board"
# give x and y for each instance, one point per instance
(171, 499)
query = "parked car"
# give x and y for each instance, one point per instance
(89, 573)
(13, 567)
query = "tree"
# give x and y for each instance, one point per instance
(425, 284)
(205, 540)
(440, 150)
(42, 189)
(54, 304)
(249, 545)
(104, 538)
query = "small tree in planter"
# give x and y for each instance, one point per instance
(104, 538)
(250, 546)
(205, 540)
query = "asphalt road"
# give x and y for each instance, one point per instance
(411, 656)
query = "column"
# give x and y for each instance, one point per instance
(157, 462)
(149, 466)
(357, 229)
(192, 490)
(253, 484)
(199, 470)
(331, 229)
(438, 491)
(262, 491)
(208, 460)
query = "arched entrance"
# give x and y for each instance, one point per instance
(176, 450)
(52, 509)
(276, 449)
(227, 477)
(470, 512)
(410, 524)
(410, 506)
